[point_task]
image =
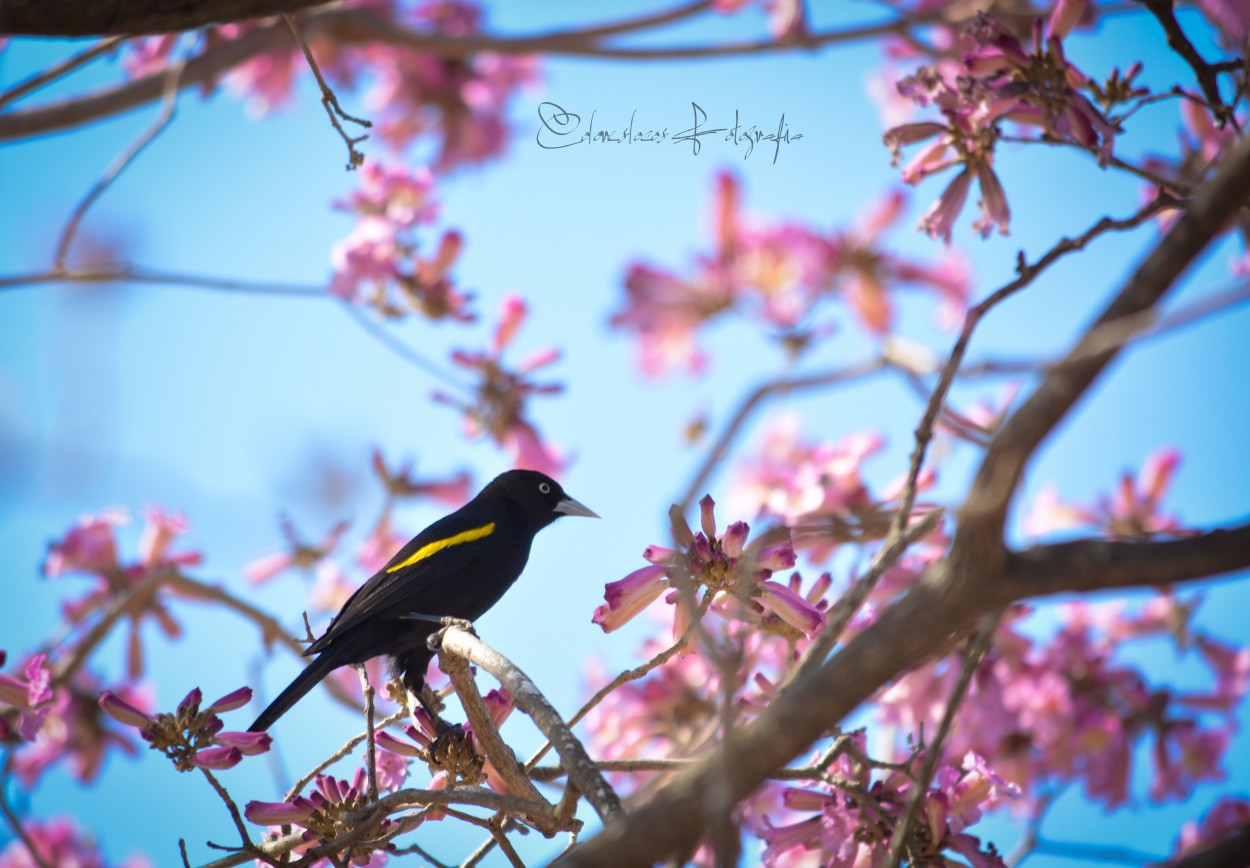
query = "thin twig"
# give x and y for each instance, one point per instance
(371, 749)
(1026, 274)
(346, 749)
(169, 102)
(933, 750)
(514, 858)
(140, 275)
(233, 808)
(14, 821)
(331, 102)
(60, 70)
(1207, 75)
(135, 599)
(401, 349)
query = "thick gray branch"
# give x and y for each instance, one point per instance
(131, 17)
(1099, 565)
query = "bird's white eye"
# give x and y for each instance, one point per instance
(544, 488)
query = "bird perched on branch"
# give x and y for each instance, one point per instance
(457, 567)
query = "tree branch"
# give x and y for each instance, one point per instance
(347, 27)
(582, 772)
(978, 547)
(1087, 565)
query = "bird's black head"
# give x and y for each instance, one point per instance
(539, 498)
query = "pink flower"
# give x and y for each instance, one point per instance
(1133, 512)
(380, 254)
(715, 565)
(629, 596)
(298, 554)
(498, 407)
(58, 842)
(30, 695)
(191, 737)
(75, 732)
(87, 548)
(787, 605)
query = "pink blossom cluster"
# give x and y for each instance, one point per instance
(378, 262)
(780, 274)
(74, 731)
(675, 711)
(1063, 709)
(997, 80)
(25, 700)
(192, 736)
(461, 102)
(58, 841)
(323, 815)
(817, 488)
(91, 548)
(850, 823)
(497, 408)
(1134, 511)
(454, 756)
(724, 569)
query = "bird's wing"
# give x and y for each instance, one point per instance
(442, 549)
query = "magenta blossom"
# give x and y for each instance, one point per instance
(379, 261)
(58, 842)
(847, 832)
(498, 407)
(1133, 512)
(780, 275)
(75, 731)
(191, 737)
(91, 548)
(28, 698)
(297, 555)
(998, 80)
(323, 815)
(714, 565)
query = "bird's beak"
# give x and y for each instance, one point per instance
(569, 506)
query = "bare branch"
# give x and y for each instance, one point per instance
(172, 74)
(530, 700)
(1096, 564)
(1207, 75)
(358, 26)
(60, 70)
(331, 102)
(484, 730)
(14, 821)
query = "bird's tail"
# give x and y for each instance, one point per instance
(304, 682)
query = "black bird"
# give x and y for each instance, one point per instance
(457, 567)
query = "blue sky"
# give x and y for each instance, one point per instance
(224, 405)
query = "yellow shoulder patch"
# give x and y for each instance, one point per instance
(438, 545)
